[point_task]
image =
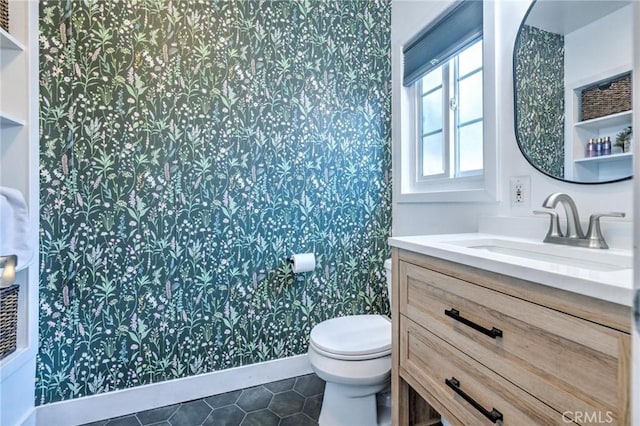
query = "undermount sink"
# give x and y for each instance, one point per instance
(589, 259)
(605, 274)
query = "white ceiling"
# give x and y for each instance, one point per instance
(566, 16)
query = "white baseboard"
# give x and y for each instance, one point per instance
(126, 401)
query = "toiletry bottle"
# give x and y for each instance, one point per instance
(591, 149)
(606, 146)
(598, 147)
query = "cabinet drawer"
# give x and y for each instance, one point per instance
(440, 368)
(573, 365)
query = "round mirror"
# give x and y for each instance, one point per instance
(572, 65)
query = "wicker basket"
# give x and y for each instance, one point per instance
(607, 98)
(4, 15)
(8, 319)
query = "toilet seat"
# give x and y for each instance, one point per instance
(353, 337)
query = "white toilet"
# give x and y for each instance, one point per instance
(353, 355)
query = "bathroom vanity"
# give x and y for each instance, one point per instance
(491, 338)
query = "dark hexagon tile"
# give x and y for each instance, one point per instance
(312, 406)
(281, 385)
(229, 415)
(286, 403)
(309, 385)
(190, 413)
(156, 415)
(254, 398)
(124, 421)
(223, 399)
(261, 418)
(299, 419)
(247, 407)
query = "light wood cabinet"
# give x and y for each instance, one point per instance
(482, 348)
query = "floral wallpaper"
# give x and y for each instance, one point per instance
(539, 77)
(187, 149)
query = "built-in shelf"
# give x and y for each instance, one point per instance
(9, 42)
(24, 261)
(613, 120)
(625, 156)
(19, 170)
(15, 360)
(7, 120)
(605, 168)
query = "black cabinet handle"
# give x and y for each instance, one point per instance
(493, 415)
(455, 314)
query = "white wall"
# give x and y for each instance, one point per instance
(598, 47)
(407, 18)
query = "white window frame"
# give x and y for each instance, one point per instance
(446, 128)
(409, 186)
(450, 125)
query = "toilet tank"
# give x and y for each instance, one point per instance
(387, 268)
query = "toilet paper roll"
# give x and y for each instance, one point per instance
(303, 262)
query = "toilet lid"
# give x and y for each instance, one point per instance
(353, 335)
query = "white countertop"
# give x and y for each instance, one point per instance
(614, 285)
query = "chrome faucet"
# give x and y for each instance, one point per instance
(574, 236)
(574, 230)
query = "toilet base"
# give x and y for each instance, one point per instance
(341, 406)
(384, 415)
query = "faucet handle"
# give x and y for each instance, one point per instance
(554, 225)
(594, 234)
(597, 216)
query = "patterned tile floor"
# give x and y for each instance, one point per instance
(289, 402)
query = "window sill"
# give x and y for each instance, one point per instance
(446, 195)
(468, 189)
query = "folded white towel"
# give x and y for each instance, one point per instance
(14, 226)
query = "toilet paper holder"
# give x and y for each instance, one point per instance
(303, 262)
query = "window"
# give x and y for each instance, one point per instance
(447, 150)
(449, 118)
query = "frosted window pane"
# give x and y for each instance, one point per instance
(432, 80)
(470, 59)
(470, 144)
(470, 98)
(432, 155)
(432, 112)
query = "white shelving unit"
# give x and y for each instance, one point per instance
(606, 167)
(9, 42)
(626, 156)
(11, 49)
(19, 170)
(6, 120)
(618, 165)
(621, 119)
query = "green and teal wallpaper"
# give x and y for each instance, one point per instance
(187, 149)
(539, 77)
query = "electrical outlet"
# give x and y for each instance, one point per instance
(520, 191)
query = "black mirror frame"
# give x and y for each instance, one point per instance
(515, 114)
